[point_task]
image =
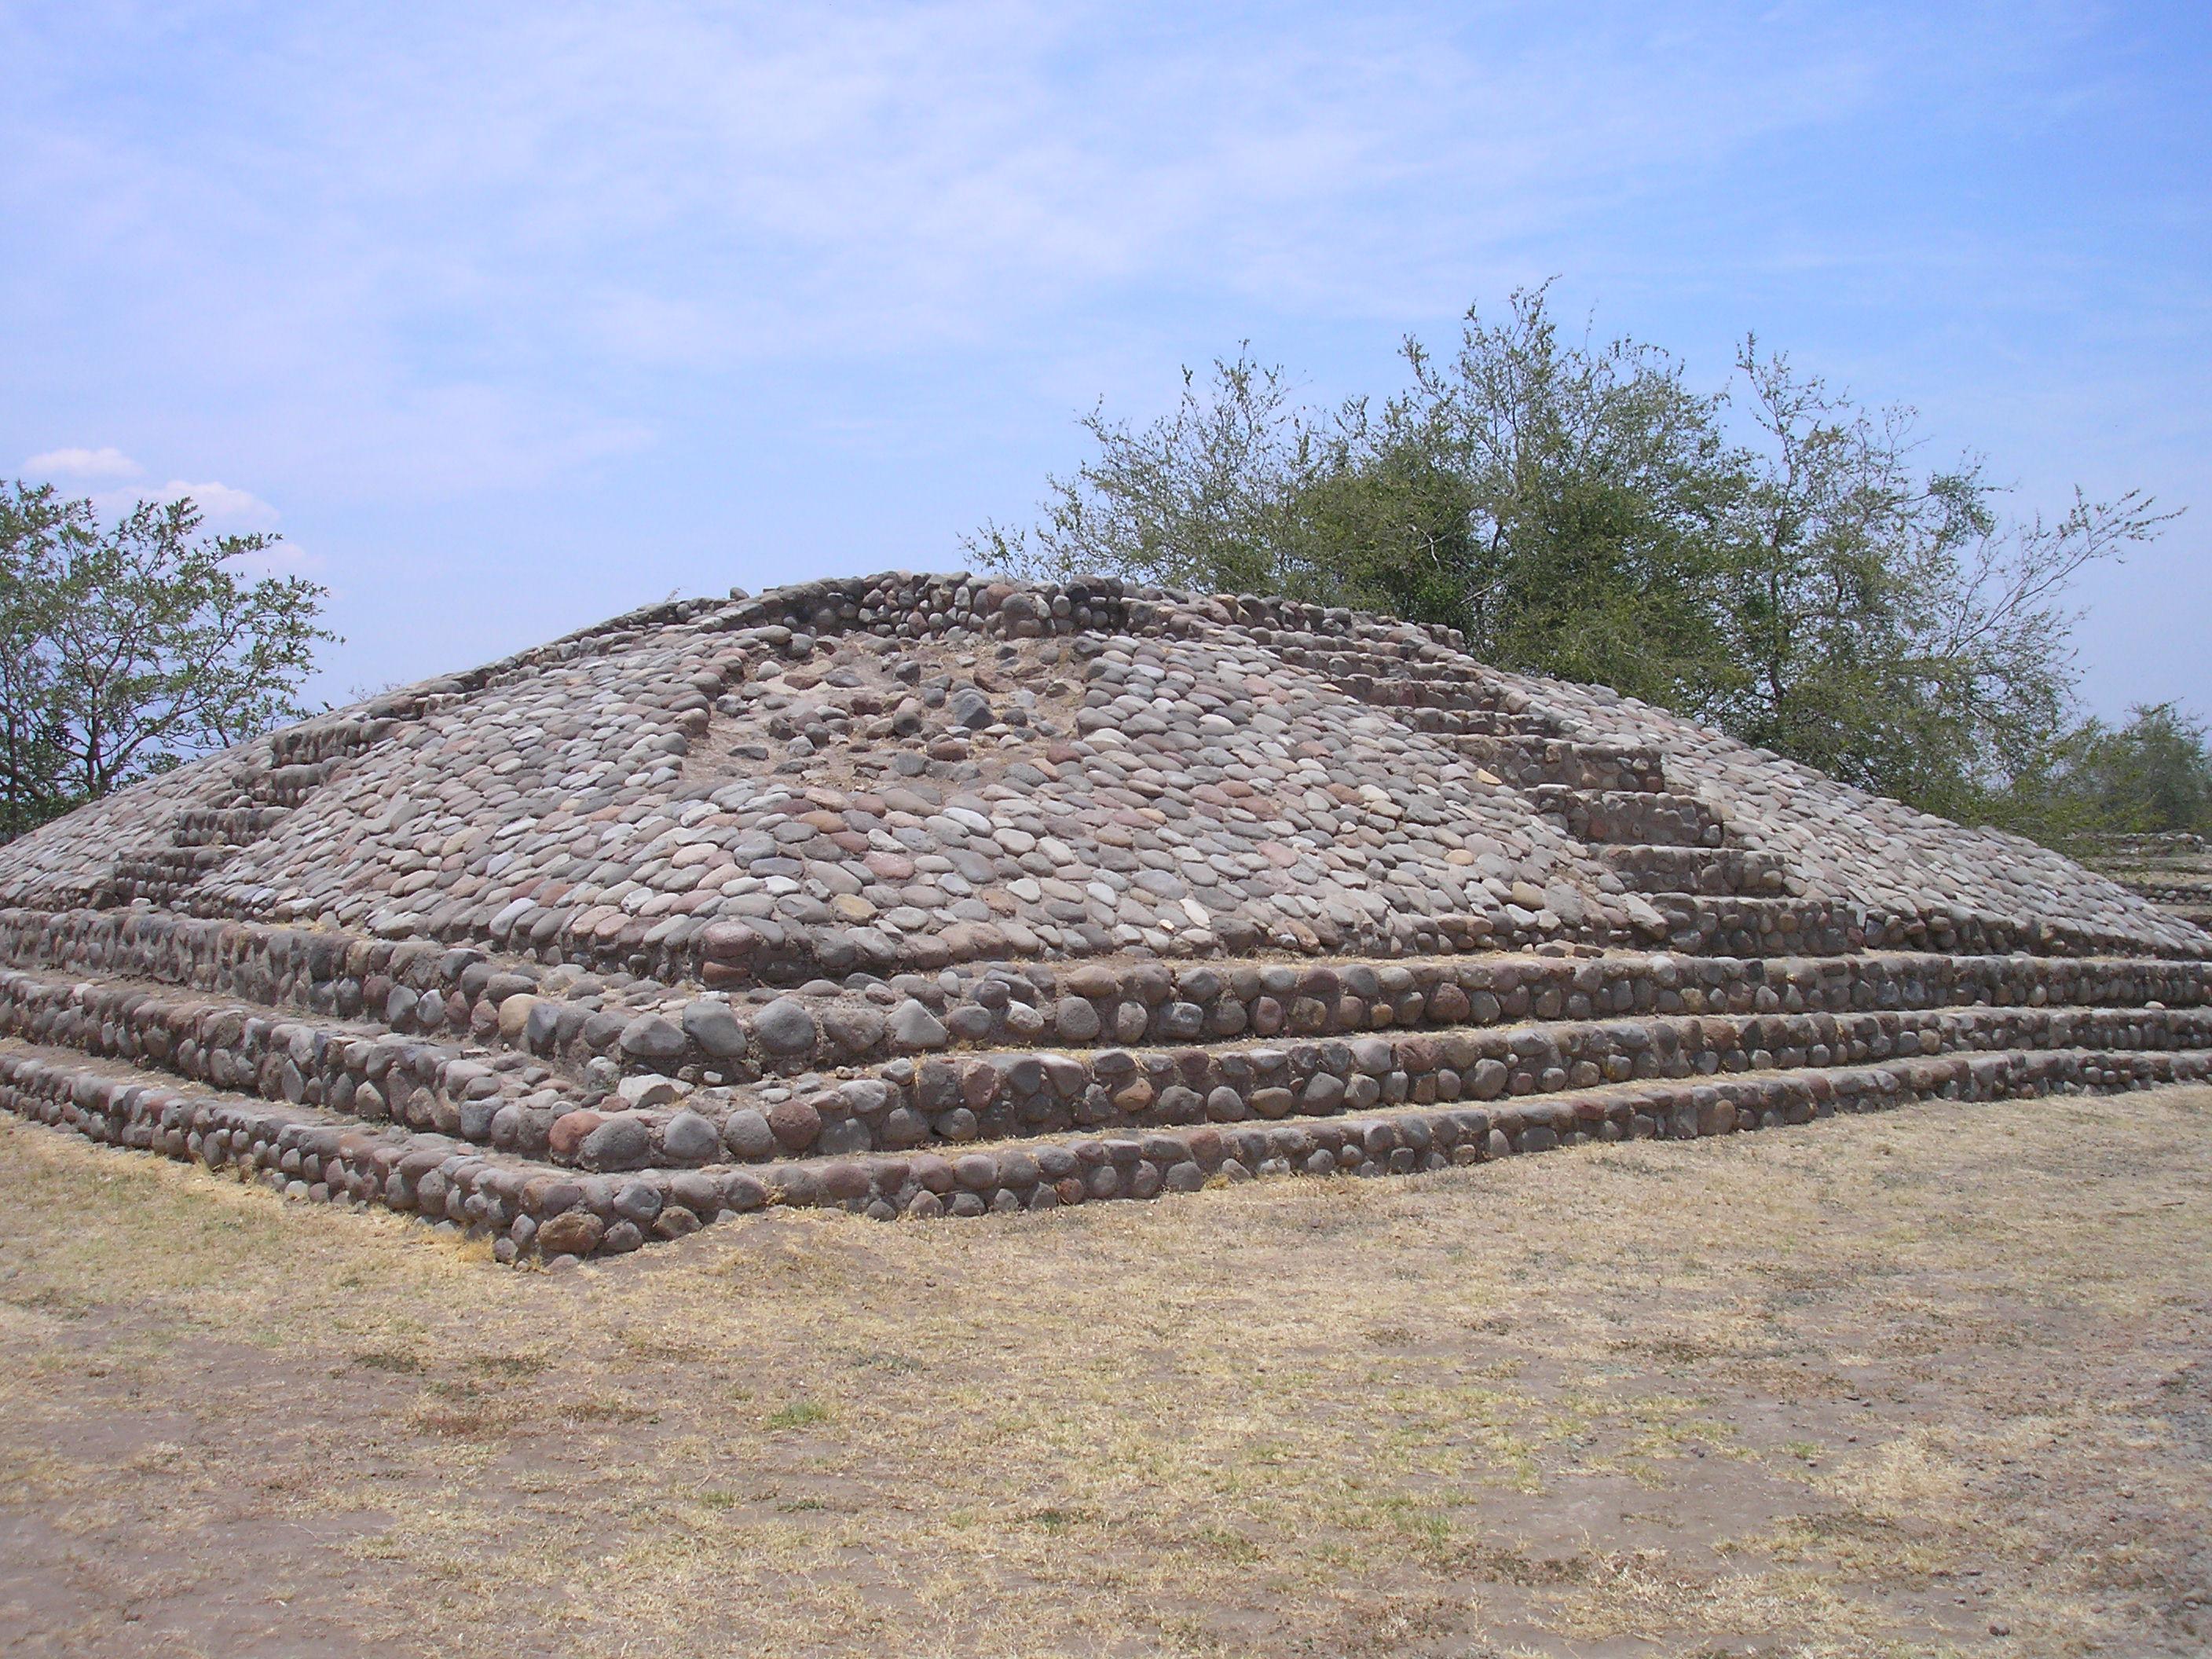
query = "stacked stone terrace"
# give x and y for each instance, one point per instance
(2173, 870)
(921, 895)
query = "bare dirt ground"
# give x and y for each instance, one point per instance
(1935, 1382)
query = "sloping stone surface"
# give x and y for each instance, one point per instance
(873, 870)
(1231, 773)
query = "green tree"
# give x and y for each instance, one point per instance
(38, 531)
(133, 647)
(1208, 497)
(1769, 557)
(2152, 775)
(1889, 625)
(1557, 502)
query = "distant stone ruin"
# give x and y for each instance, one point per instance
(925, 895)
(2173, 870)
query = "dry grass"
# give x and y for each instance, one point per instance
(1876, 1388)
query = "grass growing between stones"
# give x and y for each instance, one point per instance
(1888, 1385)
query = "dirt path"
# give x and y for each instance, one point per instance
(1932, 1382)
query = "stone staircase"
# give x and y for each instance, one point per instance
(451, 1136)
(1612, 794)
(204, 840)
(278, 773)
(542, 1096)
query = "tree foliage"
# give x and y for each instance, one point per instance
(2152, 775)
(1771, 556)
(126, 648)
(1889, 625)
(1555, 503)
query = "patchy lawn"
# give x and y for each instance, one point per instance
(1932, 1382)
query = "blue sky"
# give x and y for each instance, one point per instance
(511, 317)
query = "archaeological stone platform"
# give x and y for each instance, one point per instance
(939, 896)
(2174, 871)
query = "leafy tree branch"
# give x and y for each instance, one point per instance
(133, 647)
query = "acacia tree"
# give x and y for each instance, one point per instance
(1890, 625)
(1557, 501)
(2152, 775)
(1208, 496)
(1769, 557)
(134, 645)
(38, 530)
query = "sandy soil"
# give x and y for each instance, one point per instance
(1935, 1382)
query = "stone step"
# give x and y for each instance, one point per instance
(334, 737)
(1632, 817)
(1456, 695)
(1725, 927)
(1341, 660)
(356, 1074)
(161, 875)
(1713, 871)
(126, 967)
(358, 1069)
(309, 1153)
(1007, 1095)
(371, 1075)
(1414, 1138)
(205, 840)
(945, 1103)
(1476, 722)
(1444, 672)
(304, 758)
(529, 1209)
(288, 786)
(227, 827)
(1532, 762)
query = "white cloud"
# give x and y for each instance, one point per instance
(225, 510)
(666, 185)
(107, 463)
(224, 507)
(502, 250)
(482, 254)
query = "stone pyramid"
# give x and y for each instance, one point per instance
(921, 895)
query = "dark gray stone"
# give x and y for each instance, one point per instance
(746, 1134)
(717, 1031)
(651, 1039)
(622, 1142)
(638, 1201)
(690, 1138)
(785, 1027)
(913, 1027)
